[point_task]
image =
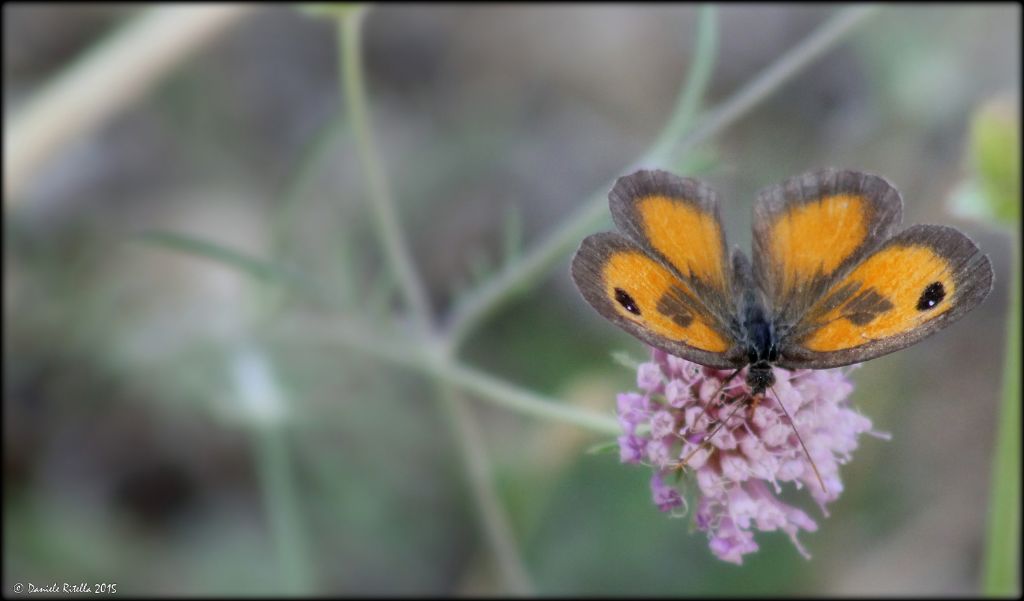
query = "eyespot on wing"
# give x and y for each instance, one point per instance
(644, 297)
(920, 281)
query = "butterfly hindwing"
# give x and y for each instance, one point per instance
(917, 282)
(664, 279)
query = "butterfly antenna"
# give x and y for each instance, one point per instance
(799, 438)
(714, 396)
(707, 439)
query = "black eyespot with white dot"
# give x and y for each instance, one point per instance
(932, 296)
(626, 301)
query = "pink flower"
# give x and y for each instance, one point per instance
(742, 467)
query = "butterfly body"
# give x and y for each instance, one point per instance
(832, 281)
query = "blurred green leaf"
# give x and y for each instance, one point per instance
(992, 193)
(257, 268)
(995, 140)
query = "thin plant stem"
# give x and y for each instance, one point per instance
(309, 164)
(691, 95)
(274, 466)
(492, 515)
(264, 406)
(525, 401)
(473, 452)
(295, 187)
(813, 47)
(1001, 567)
(482, 385)
(381, 205)
(481, 303)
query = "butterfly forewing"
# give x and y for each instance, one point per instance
(665, 279)
(810, 229)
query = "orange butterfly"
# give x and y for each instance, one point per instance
(833, 279)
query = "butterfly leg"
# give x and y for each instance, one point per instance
(706, 443)
(754, 403)
(714, 395)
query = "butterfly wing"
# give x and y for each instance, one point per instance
(812, 228)
(843, 288)
(665, 279)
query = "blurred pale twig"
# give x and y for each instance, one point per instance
(265, 405)
(494, 520)
(382, 204)
(106, 80)
(1002, 551)
(493, 516)
(424, 360)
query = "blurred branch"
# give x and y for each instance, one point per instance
(431, 363)
(262, 403)
(485, 300)
(309, 164)
(421, 357)
(496, 527)
(382, 205)
(254, 267)
(273, 460)
(695, 87)
(1001, 563)
(492, 515)
(104, 81)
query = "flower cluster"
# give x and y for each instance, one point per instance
(739, 465)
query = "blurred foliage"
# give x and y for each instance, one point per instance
(993, 193)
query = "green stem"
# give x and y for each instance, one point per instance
(434, 363)
(264, 405)
(1001, 570)
(494, 521)
(694, 89)
(382, 205)
(525, 401)
(813, 47)
(274, 465)
(309, 165)
(492, 516)
(480, 304)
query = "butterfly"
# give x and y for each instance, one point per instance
(833, 281)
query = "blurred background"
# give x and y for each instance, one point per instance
(165, 430)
